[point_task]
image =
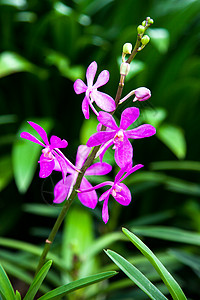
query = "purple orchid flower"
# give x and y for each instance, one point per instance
(51, 153)
(118, 190)
(102, 100)
(64, 188)
(119, 135)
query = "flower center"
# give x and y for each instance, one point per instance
(47, 153)
(118, 138)
(116, 189)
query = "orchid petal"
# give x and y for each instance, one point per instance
(62, 189)
(103, 100)
(124, 153)
(79, 86)
(40, 131)
(128, 117)
(100, 138)
(103, 150)
(85, 108)
(140, 132)
(46, 166)
(123, 197)
(81, 156)
(122, 171)
(56, 142)
(102, 79)
(98, 169)
(62, 163)
(105, 215)
(98, 186)
(30, 137)
(131, 170)
(90, 74)
(104, 195)
(88, 199)
(107, 120)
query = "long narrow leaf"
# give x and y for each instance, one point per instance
(136, 276)
(173, 287)
(6, 290)
(78, 284)
(32, 291)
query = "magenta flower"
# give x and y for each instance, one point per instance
(142, 94)
(102, 100)
(118, 190)
(51, 153)
(64, 188)
(119, 135)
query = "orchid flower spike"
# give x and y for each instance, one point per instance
(119, 136)
(141, 94)
(102, 100)
(51, 153)
(118, 190)
(64, 188)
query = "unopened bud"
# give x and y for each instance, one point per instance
(142, 94)
(145, 39)
(127, 48)
(144, 23)
(124, 68)
(140, 29)
(151, 21)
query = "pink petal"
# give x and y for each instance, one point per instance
(103, 100)
(79, 86)
(56, 142)
(107, 120)
(88, 199)
(140, 132)
(103, 150)
(104, 195)
(129, 115)
(100, 138)
(46, 166)
(40, 131)
(85, 108)
(131, 170)
(81, 156)
(124, 153)
(124, 196)
(105, 215)
(30, 137)
(62, 163)
(102, 79)
(122, 171)
(62, 189)
(90, 74)
(98, 169)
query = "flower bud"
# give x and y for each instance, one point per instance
(144, 23)
(151, 21)
(124, 68)
(145, 39)
(140, 29)
(142, 94)
(127, 48)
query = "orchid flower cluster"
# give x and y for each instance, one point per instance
(108, 134)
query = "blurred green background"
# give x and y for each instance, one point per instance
(44, 47)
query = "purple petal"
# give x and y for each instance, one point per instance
(131, 170)
(79, 86)
(40, 131)
(98, 186)
(100, 138)
(46, 166)
(90, 74)
(105, 195)
(103, 150)
(62, 163)
(142, 94)
(140, 132)
(102, 79)
(62, 189)
(103, 100)
(98, 169)
(85, 108)
(107, 120)
(105, 215)
(88, 199)
(30, 137)
(124, 153)
(129, 116)
(122, 171)
(56, 142)
(123, 197)
(81, 156)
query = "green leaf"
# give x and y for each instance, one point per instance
(169, 234)
(176, 165)
(173, 138)
(78, 284)
(6, 290)
(136, 276)
(160, 39)
(25, 155)
(167, 278)
(88, 128)
(18, 296)
(33, 289)
(6, 172)
(154, 116)
(11, 62)
(42, 209)
(7, 119)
